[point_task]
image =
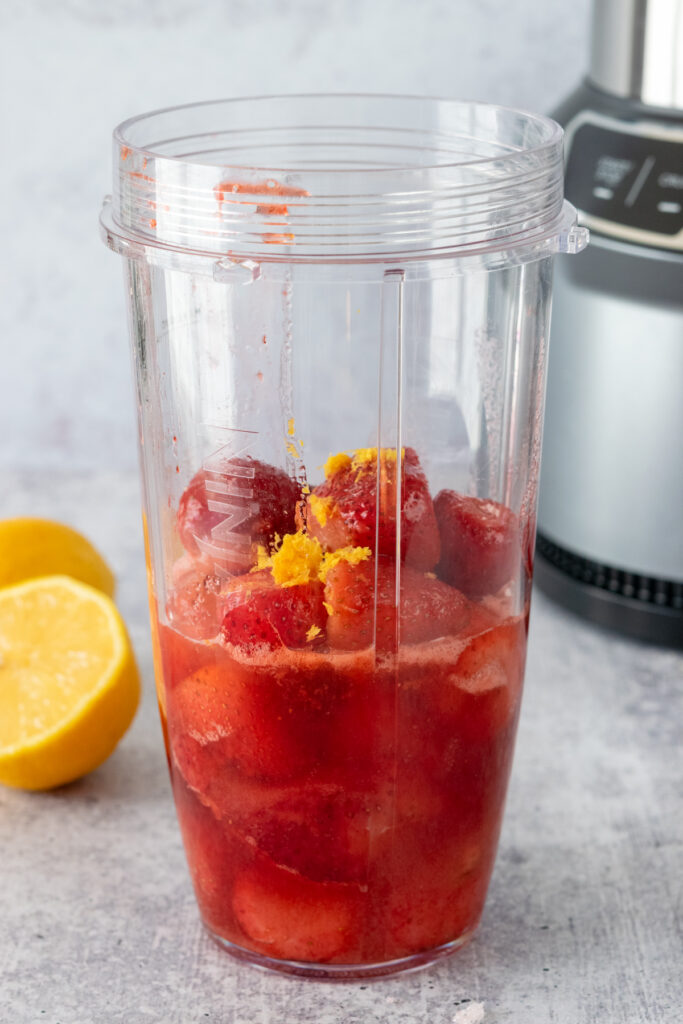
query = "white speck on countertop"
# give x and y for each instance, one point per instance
(472, 1014)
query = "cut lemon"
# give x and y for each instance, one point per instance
(41, 547)
(69, 685)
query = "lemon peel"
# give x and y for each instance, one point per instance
(31, 547)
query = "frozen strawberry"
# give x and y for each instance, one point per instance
(480, 548)
(343, 510)
(194, 605)
(213, 856)
(287, 916)
(225, 718)
(320, 830)
(362, 739)
(429, 608)
(432, 900)
(225, 513)
(483, 689)
(481, 619)
(259, 613)
(182, 657)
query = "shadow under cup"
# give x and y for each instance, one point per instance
(339, 310)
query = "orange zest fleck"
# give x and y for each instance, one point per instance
(262, 558)
(298, 560)
(363, 458)
(336, 463)
(350, 555)
(321, 508)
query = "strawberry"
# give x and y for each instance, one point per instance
(225, 513)
(483, 689)
(213, 857)
(194, 605)
(343, 511)
(258, 613)
(284, 915)
(480, 548)
(429, 608)
(319, 830)
(182, 657)
(433, 898)
(227, 717)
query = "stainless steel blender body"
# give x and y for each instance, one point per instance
(611, 503)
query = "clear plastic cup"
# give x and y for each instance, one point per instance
(339, 312)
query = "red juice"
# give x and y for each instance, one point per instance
(340, 753)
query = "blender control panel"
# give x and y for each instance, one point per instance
(627, 183)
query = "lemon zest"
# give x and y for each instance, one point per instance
(263, 560)
(328, 608)
(365, 458)
(337, 463)
(321, 507)
(313, 632)
(297, 561)
(290, 426)
(348, 554)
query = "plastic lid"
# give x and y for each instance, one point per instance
(340, 179)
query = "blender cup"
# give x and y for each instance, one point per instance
(339, 312)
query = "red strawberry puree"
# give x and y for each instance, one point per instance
(340, 753)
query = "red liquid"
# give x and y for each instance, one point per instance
(338, 811)
(340, 808)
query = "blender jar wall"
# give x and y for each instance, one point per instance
(339, 337)
(288, 370)
(300, 365)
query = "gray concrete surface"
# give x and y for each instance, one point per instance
(584, 922)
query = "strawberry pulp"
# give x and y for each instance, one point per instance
(340, 745)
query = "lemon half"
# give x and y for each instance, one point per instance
(32, 547)
(69, 685)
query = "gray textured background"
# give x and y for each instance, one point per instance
(72, 69)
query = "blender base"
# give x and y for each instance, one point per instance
(642, 607)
